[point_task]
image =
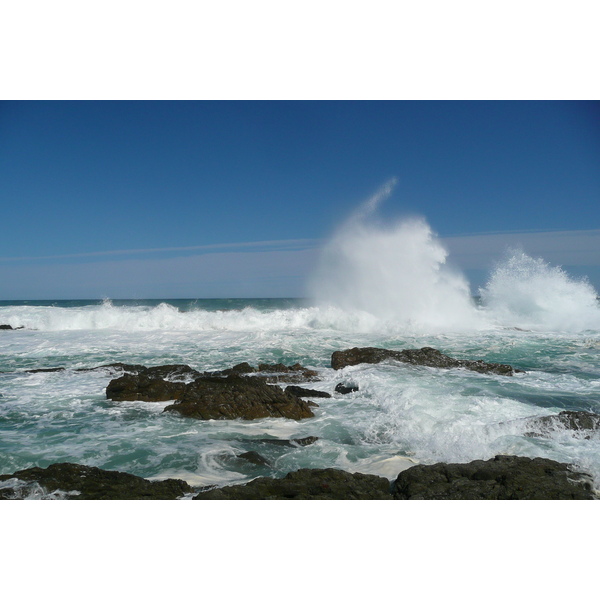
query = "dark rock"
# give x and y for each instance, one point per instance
(98, 484)
(500, 478)
(50, 370)
(10, 327)
(306, 393)
(429, 357)
(567, 419)
(141, 387)
(340, 388)
(238, 397)
(307, 484)
(255, 458)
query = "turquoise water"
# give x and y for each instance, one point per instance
(401, 415)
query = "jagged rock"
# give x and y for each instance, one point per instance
(238, 397)
(307, 484)
(141, 387)
(255, 458)
(306, 393)
(500, 478)
(429, 357)
(93, 483)
(340, 388)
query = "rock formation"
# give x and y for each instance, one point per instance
(500, 478)
(429, 357)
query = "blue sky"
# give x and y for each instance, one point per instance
(234, 198)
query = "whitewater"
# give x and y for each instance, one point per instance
(386, 285)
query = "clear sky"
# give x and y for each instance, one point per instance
(164, 199)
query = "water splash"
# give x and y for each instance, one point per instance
(530, 293)
(395, 271)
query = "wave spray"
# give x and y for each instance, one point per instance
(528, 292)
(395, 271)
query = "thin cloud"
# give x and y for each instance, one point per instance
(279, 244)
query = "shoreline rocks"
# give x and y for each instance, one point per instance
(306, 484)
(80, 482)
(428, 357)
(499, 478)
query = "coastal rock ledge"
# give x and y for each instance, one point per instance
(79, 482)
(428, 357)
(500, 478)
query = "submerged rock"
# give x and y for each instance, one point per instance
(238, 397)
(429, 357)
(79, 482)
(255, 458)
(306, 441)
(306, 484)
(500, 478)
(567, 419)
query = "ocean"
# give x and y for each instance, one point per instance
(400, 416)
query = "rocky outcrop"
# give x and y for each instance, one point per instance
(229, 394)
(10, 327)
(238, 397)
(500, 478)
(306, 484)
(567, 419)
(429, 357)
(79, 482)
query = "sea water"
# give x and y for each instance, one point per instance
(383, 286)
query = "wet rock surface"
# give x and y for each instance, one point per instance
(500, 478)
(93, 483)
(307, 484)
(429, 357)
(238, 397)
(10, 327)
